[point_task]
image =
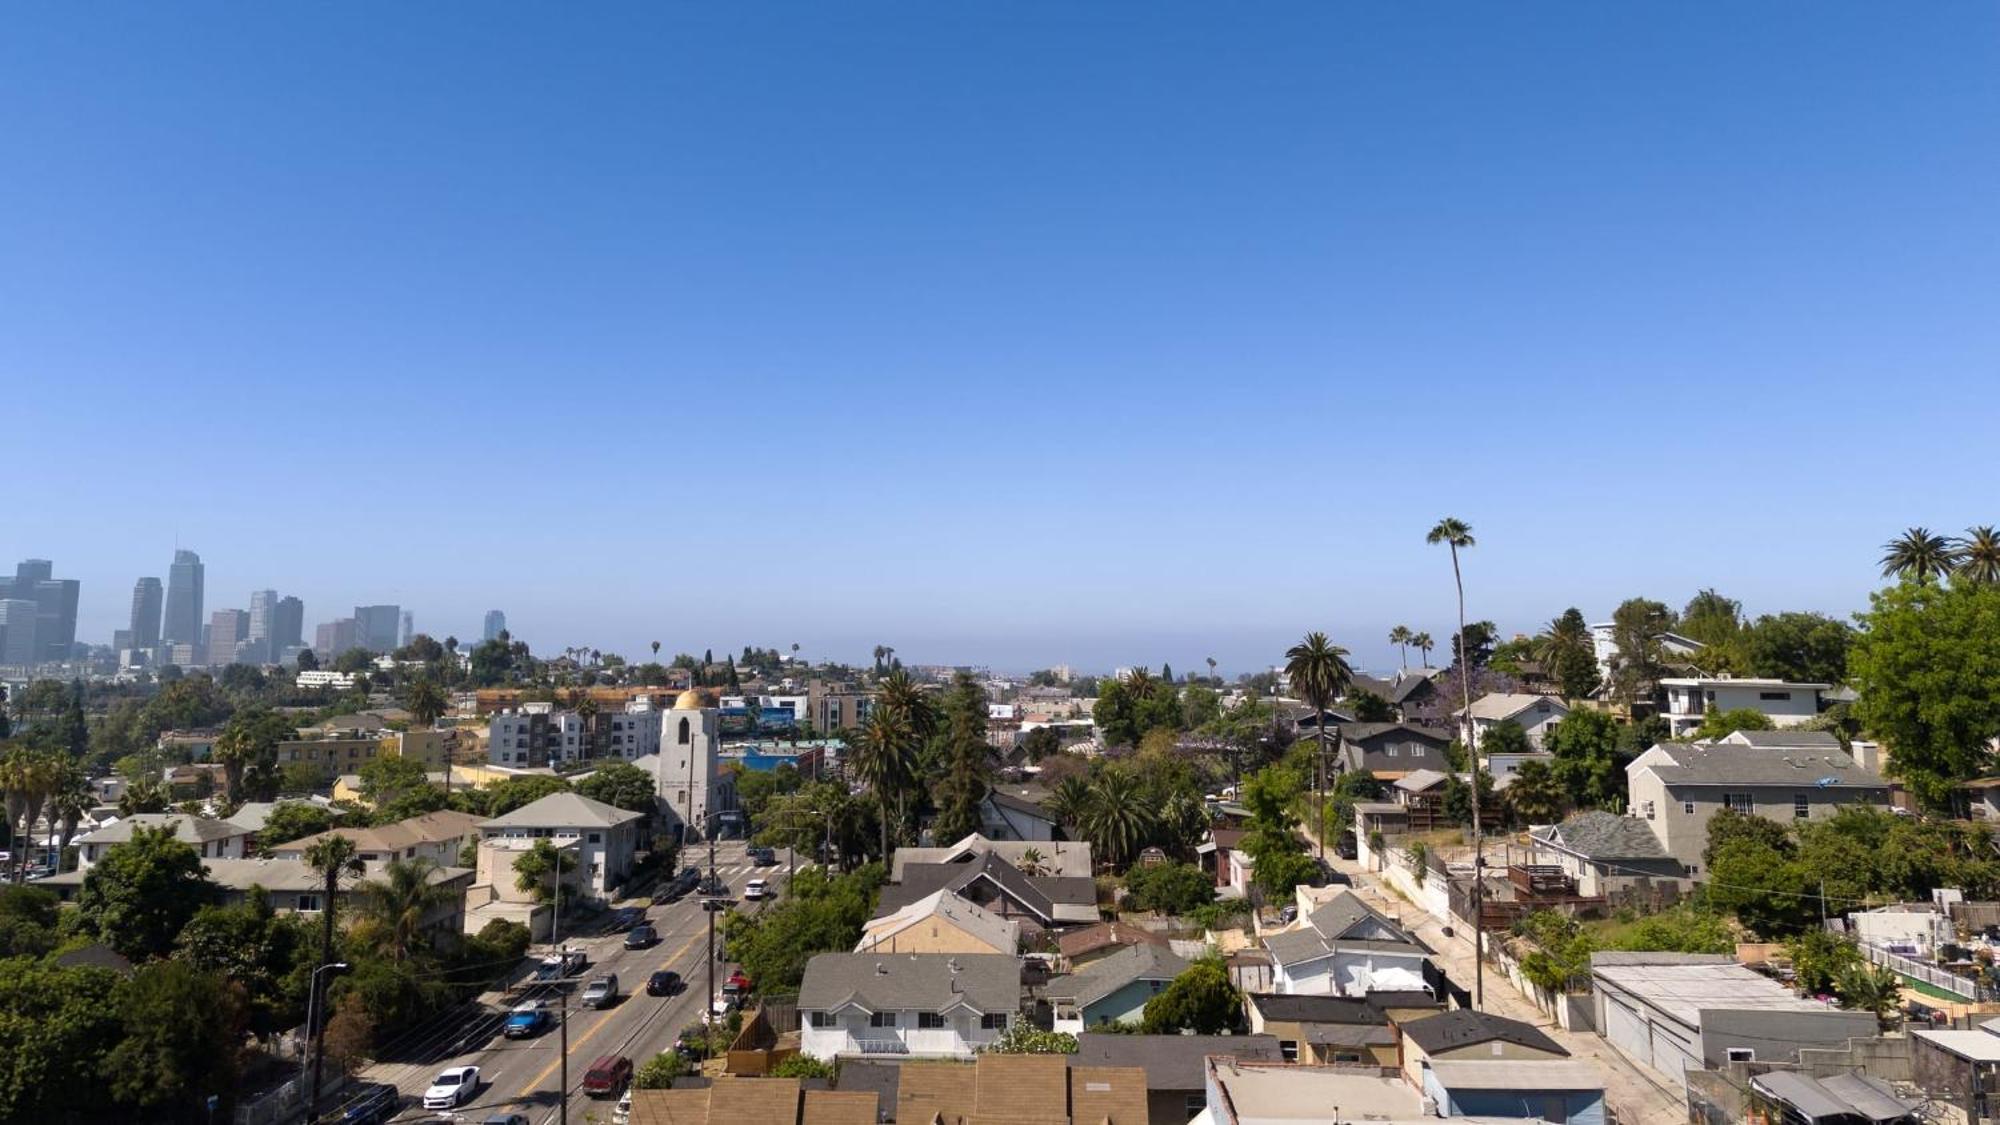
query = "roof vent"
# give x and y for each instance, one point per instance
(952, 964)
(881, 970)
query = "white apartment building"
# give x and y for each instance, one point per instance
(1785, 704)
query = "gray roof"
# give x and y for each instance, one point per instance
(1346, 921)
(187, 829)
(1601, 835)
(1837, 1096)
(1036, 894)
(1363, 732)
(1171, 1062)
(1107, 975)
(1463, 1027)
(564, 810)
(1299, 1008)
(1732, 763)
(1416, 781)
(1785, 739)
(923, 982)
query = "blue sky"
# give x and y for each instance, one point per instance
(1018, 333)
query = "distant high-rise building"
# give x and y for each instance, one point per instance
(146, 603)
(121, 640)
(182, 621)
(376, 626)
(335, 637)
(496, 624)
(18, 618)
(288, 624)
(225, 628)
(406, 629)
(263, 607)
(55, 607)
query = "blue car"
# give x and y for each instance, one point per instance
(371, 1104)
(527, 1021)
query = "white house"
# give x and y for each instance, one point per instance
(1604, 646)
(1786, 704)
(1344, 948)
(214, 839)
(604, 836)
(920, 1005)
(1534, 714)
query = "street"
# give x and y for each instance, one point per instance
(522, 1075)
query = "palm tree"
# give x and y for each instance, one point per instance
(1457, 534)
(400, 903)
(334, 858)
(1140, 682)
(884, 757)
(67, 804)
(1400, 636)
(1918, 555)
(1117, 817)
(425, 701)
(1317, 669)
(900, 693)
(1211, 667)
(1979, 555)
(1068, 800)
(1423, 644)
(1032, 862)
(656, 651)
(27, 776)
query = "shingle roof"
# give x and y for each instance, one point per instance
(924, 982)
(1171, 1062)
(1344, 920)
(991, 929)
(1499, 706)
(563, 810)
(1361, 732)
(923, 879)
(1601, 835)
(427, 828)
(1058, 857)
(1090, 939)
(1416, 781)
(1448, 1031)
(1517, 1074)
(1298, 1008)
(187, 829)
(1107, 975)
(1730, 763)
(1785, 739)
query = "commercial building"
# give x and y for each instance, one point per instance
(335, 637)
(18, 619)
(55, 607)
(496, 624)
(288, 625)
(181, 622)
(148, 598)
(226, 629)
(263, 608)
(376, 627)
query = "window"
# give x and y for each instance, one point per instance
(1649, 810)
(1391, 751)
(597, 837)
(1739, 802)
(993, 1021)
(929, 1021)
(1742, 1054)
(1289, 1048)
(1195, 1104)
(1775, 696)
(882, 1019)
(1801, 807)
(822, 1019)
(1687, 807)
(308, 902)
(684, 732)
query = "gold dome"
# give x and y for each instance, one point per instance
(691, 700)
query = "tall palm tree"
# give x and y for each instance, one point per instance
(1317, 669)
(1116, 817)
(68, 802)
(899, 692)
(425, 701)
(1401, 636)
(334, 858)
(1068, 800)
(1918, 555)
(1457, 535)
(400, 902)
(28, 776)
(1140, 682)
(885, 759)
(1423, 643)
(1211, 667)
(1979, 555)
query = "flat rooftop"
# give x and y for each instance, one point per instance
(1291, 1092)
(1683, 990)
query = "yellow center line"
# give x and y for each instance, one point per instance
(600, 1025)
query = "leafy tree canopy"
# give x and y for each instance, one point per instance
(1200, 1001)
(142, 893)
(1927, 667)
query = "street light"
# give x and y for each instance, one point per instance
(314, 1048)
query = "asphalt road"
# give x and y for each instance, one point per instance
(523, 1075)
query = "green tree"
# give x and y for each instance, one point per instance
(1535, 796)
(1873, 989)
(393, 909)
(1718, 724)
(1978, 555)
(27, 921)
(1800, 647)
(260, 950)
(1927, 667)
(425, 701)
(537, 870)
(1717, 622)
(1117, 818)
(1588, 759)
(1919, 555)
(1317, 669)
(1199, 1001)
(1024, 1038)
(248, 751)
(884, 758)
(1169, 888)
(57, 1025)
(1638, 630)
(621, 785)
(968, 758)
(142, 893)
(1505, 737)
(659, 1072)
(385, 777)
(1400, 636)
(499, 798)
(821, 912)
(1819, 961)
(1567, 654)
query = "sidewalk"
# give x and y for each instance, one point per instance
(1636, 1097)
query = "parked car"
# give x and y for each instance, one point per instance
(372, 1104)
(621, 1114)
(713, 886)
(764, 857)
(641, 936)
(609, 1075)
(601, 992)
(677, 888)
(666, 982)
(556, 966)
(626, 917)
(527, 1020)
(755, 890)
(723, 1004)
(453, 1087)
(737, 980)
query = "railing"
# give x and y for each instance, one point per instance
(1928, 974)
(926, 1042)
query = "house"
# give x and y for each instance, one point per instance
(1604, 645)
(1675, 1012)
(1838, 1099)
(1018, 1089)
(1345, 949)
(1240, 1092)
(1411, 691)
(1783, 739)
(1468, 1034)
(605, 838)
(932, 1005)
(1959, 1069)
(1037, 902)
(1557, 1090)
(1082, 946)
(1676, 787)
(1215, 854)
(940, 922)
(1605, 854)
(1012, 816)
(1690, 699)
(1390, 750)
(214, 839)
(1326, 1029)
(1047, 857)
(437, 836)
(1173, 1065)
(1534, 714)
(1112, 989)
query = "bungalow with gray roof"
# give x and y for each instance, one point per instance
(1112, 989)
(1606, 854)
(1676, 787)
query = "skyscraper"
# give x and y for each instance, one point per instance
(496, 624)
(288, 625)
(376, 625)
(146, 600)
(182, 623)
(263, 606)
(225, 628)
(334, 637)
(17, 630)
(406, 629)
(55, 607)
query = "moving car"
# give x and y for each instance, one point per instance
(764, 857)
(641, 936)
(626, 917)
(678, 887)
(601, 992)
(609, 1075)
(755, 889)
(666, 982)
(568, 963)
(714, 886)
(527, 1020)
(453, 1087)
(372, 1104)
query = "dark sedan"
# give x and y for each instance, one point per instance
(666, 982)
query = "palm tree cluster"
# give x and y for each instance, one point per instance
(888, 747)
(41, 784)
(1922, 555)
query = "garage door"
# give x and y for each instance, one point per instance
(1672, 1056)
(1626, 1030)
